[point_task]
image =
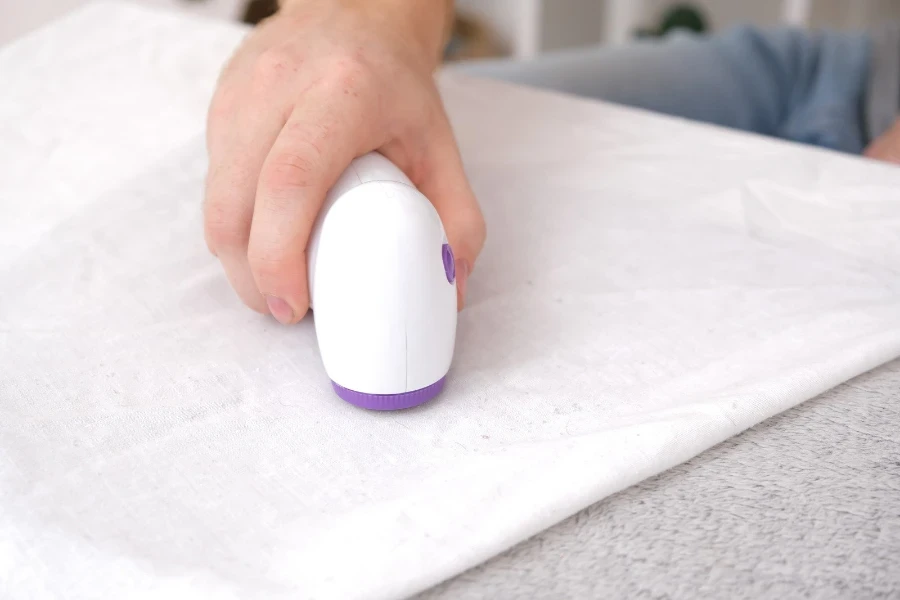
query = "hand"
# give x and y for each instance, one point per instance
(887, 146)
(318, 84)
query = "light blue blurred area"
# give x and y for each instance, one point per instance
(794, 84)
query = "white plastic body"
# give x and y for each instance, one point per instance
(384, 310)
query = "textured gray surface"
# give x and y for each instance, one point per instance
(807, 504)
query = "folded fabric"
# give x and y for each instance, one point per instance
(650, 287)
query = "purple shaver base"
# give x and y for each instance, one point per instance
(390, 401)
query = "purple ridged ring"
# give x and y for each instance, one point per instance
(390, 401)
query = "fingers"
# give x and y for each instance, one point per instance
(441, 178)
(239, 139)
(317, 143)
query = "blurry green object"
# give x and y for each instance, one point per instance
(686, 17)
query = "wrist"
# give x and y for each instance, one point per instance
(424, 25)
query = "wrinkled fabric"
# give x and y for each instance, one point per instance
(650, 287)
(803, 505)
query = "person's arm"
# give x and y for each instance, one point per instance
(311, 88)
(425, 24)
(887, 146)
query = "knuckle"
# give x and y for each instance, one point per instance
(349, 75)
(477, 230)
(271, 68)
(289, 171)
(472, 228)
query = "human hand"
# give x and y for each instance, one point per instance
(318, 84)
(887, 146)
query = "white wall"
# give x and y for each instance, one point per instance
(516, 22)
(825, 13)
(568, 23)
(855, 13)
(841, 14)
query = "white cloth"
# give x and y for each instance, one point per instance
(650, 288)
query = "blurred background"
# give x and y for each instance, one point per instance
(524, 28)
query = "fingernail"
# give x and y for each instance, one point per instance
(280, 309)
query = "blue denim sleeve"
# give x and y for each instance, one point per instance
(803, 86)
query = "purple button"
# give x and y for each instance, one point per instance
(449, 263)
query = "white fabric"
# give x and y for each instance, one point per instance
(650, 288)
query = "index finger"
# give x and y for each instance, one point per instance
(319, 140)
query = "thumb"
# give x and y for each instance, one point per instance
(440, 176)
